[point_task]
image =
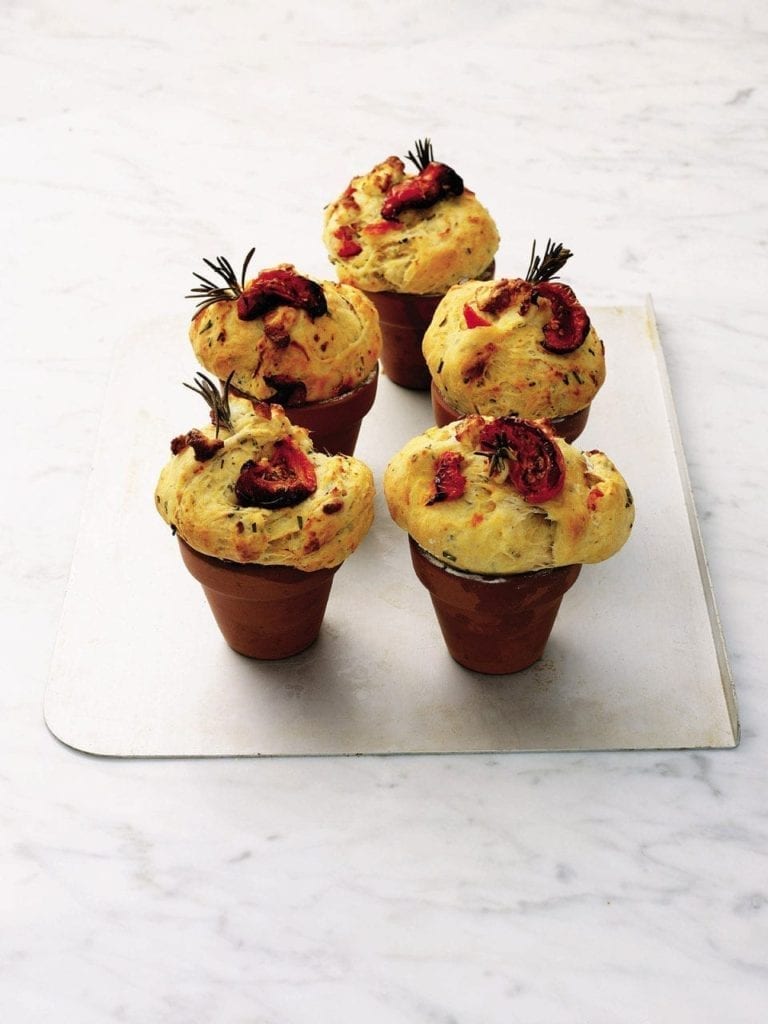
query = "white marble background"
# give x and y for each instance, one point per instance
(137, 138)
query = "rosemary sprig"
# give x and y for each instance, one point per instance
(210, 291)
(499, 453)
(423, 154)
(216, 400)
(545, 268)
(497, 460)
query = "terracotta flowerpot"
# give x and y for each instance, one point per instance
(334, 423)
(263, 611)
(404, 318)
(493, 624)
(567, 427)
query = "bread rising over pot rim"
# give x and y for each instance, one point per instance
(287, 355)
(490, 528)
(197, 496)
(497, 363)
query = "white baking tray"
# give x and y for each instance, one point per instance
(636, 659)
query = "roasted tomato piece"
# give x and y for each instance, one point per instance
(569, 324)
(593, 498)
(449, 480)
(505, 293)
(285, 479)
(533, 460)
(477, 368)
(435, 182)
(348, 199)
(348, 247)
(473, 319)
(288, 392)
(281, 287)
(204, 447)
(381, 227)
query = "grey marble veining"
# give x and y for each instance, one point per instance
(541, 888)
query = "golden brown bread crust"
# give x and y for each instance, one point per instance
(491, 529)
(329, 355)
(197, 498)
(424, 251)
(504, 368)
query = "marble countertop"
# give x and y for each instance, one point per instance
(550, 888)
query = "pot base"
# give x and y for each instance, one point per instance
(496, 625)
(263, 611)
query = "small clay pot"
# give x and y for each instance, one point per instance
(263, 611)
(493, 624)
(334, 423)
(404, 318)
(567, 427)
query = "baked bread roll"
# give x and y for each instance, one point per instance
(514, 347)
(283, 337)
(259, 493)
(502, 496)
(417, 233)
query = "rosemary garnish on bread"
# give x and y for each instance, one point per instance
(424, 155)
(545, 268)
(435, 181)
(211, 291)
(216, 399)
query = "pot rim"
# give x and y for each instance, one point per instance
(253, 568)
(485, 275)
(480, 577)
(320, 403)
(555, 420)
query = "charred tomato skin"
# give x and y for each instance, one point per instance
(283, 480)
(535, 464)
(569, 324)
(281, 287)
(435, 182)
